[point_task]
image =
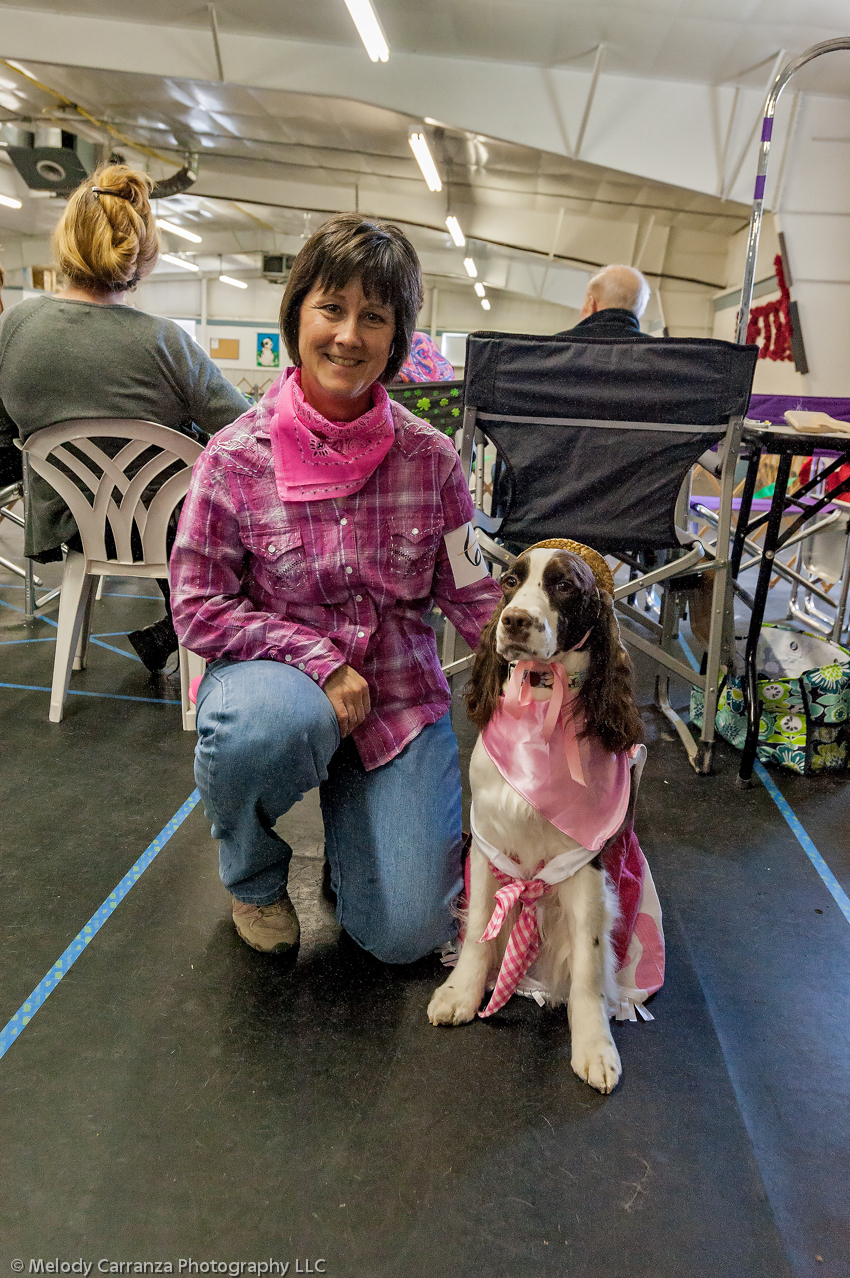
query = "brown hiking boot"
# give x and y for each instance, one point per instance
(272, 929)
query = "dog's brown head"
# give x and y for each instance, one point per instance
(551, 600)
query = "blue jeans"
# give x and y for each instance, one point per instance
(266, 735)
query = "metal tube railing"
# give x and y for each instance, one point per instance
(816, 51)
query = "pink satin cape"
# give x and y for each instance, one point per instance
(572, 781)
(314, 458)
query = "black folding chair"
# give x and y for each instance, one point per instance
(596, 440)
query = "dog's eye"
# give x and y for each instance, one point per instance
(509, 580)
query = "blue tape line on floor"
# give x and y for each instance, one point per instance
(115, 594)
(48, 622)
(110, 696)
(829, 880)
(833, 886)
(45, 987)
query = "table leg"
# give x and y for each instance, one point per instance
(744, 512)
(752, 703)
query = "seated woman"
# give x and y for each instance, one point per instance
(312, 543)
(83, 353)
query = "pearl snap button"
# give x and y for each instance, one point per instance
(315, 676)
(272, 549)
(349, 569)
(301, 665)
(288, 658)
(360, 634)
(358, 598)
(415, 531)
(343, 521)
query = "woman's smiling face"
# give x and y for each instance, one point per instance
(344, 342)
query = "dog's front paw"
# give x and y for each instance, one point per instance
(597, 1061)
(453, 1005)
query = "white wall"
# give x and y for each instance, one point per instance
(815, 219)
(814, 216)
(772, 377)
(256, 309)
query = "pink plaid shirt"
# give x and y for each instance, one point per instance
(338, 581)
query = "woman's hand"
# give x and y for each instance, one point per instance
(348, 693)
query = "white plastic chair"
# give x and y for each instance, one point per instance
(98, 491)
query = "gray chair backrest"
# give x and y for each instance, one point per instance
(597, 436)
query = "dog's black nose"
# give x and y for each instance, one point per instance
(516, 622)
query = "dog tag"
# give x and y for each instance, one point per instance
(465, 556)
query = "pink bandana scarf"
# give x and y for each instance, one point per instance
(578, 786)
(314, 458)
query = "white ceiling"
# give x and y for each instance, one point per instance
(270, 160)
(708, 41)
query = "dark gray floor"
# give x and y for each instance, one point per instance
(179, 1096)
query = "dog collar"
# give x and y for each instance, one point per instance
(546, 679)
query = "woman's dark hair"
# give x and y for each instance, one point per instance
(384, 259)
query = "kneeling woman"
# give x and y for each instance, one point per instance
(318, 531)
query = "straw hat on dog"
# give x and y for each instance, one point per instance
(593, 559)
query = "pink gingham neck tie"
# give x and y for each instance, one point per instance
(524, 941)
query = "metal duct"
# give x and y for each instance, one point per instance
(179, 181)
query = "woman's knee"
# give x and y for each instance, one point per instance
(256, 718)
(408, 934)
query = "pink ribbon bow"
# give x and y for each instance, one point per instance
(524, 941)
(518, 697)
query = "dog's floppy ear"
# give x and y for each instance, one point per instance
(606, 697)
(489, 671)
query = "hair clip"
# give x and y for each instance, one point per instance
(99, 190)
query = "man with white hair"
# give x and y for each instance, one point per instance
(614, 301)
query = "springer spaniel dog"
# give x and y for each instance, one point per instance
(562, 731)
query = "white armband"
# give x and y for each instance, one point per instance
(465, 556)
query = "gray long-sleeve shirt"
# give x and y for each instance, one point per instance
(61, 360)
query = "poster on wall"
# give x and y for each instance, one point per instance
(268, 350)
(224, 347)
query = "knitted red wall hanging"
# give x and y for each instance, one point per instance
(770, 325)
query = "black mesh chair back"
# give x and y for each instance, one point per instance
(596, 437)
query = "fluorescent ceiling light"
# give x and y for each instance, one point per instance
(9, 202)
(178, 261)
(471, 268)
(454, 230)
(425, 160)
(228, 279)
(178, 230)
(485, 304)
(366, 22)
(479, 288)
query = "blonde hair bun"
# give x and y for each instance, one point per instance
(106, 239)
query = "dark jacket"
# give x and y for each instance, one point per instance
(612, 322)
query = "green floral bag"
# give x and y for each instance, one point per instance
(804, 686)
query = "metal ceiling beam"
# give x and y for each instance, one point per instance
(216, 44)
(591, 94)
(667, 137)
(472, 239)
